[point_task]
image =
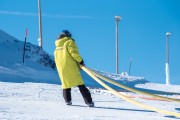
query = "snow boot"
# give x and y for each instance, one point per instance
(91, 104)
(69, 103)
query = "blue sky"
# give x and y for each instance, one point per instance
(142, 31)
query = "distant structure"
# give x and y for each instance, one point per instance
(130, 66)
(124, 73)
(167, 58)
(40, 25)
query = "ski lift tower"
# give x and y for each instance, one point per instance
(167, 58)
(117, 19)
(40, 25)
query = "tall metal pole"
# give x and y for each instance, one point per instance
(167, 58)
(117, 18)
(40, 25)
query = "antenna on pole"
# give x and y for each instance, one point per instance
(40, 25)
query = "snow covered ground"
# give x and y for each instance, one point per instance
(41, 101)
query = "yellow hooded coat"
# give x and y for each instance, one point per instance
(67, 60)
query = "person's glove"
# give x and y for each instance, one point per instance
(82, 63)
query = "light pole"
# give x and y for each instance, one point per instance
(167, 58)
(40, 25)
(117, 19)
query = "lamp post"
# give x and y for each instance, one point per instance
(117, 19)
(167, 58)
(40, 25)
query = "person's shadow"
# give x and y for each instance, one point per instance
(112, 108)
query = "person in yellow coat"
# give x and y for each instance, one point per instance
(68, 59)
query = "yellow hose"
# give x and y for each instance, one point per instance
(133, 90)
(127, 98)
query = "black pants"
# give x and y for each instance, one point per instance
(84, 91)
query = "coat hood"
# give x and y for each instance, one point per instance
(60, 42)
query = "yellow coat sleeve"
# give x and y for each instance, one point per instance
(73, 50)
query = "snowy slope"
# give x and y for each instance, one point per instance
(38, 67)
(11, 51)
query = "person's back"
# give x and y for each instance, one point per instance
(67, 59)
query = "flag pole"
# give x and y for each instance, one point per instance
(24, 50)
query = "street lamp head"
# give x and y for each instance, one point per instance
(168, 34)
(118, 18)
